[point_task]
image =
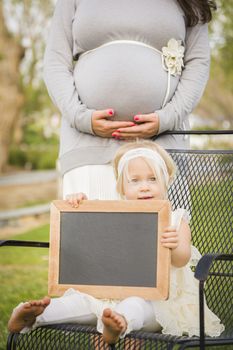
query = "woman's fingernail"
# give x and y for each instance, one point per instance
(132, 124)
(114, 135)
(110, 111)
(136, 117)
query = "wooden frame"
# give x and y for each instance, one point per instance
(163, 211)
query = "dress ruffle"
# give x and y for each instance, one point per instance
(179, 315)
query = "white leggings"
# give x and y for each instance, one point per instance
(84, 309)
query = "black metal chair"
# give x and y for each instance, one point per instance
(205, 187)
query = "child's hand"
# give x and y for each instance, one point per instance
(75, 199)
(170, 238)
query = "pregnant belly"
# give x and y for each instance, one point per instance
(127, 78)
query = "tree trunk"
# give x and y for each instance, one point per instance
(11, 98)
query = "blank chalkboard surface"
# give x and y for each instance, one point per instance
(109, 249)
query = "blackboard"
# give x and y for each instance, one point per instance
(109, 249)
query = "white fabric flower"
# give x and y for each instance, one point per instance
(173, 55)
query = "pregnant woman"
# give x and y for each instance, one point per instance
(121, 70)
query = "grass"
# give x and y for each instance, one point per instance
(211, 217)
(23, 275)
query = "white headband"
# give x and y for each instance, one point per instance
(147, 153)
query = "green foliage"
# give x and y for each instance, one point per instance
(36, 150)
(27, 21)
(33, 135)
(2, 56)
(34, 98)
(34, 157)
(225, 47)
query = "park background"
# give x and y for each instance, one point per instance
(29, 136)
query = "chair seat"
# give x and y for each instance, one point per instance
(78, 337)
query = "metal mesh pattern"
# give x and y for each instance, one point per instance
(76, 337)
(204, 186)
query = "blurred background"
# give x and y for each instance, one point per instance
(29, 129)
(29, 123)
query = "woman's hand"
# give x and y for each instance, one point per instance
(104, 127)
(170, 238)
(146, 127)
(75, 199)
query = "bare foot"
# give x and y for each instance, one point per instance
(25, 315)
(114, 326)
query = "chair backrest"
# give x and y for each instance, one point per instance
(204, 186)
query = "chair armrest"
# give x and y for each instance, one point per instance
(201, 273)
(18, 243)
(204, 264)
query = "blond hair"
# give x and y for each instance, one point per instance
(170, 165)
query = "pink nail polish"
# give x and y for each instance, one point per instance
(114, 135)
(110, 112)
(132, 124)
(136, 117)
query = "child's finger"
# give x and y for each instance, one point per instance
(78, 199)
(170, 229)
(170, 245)
(169, 234)
(70, 198)
(75, 199)
(170, 240)
(76, 202)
